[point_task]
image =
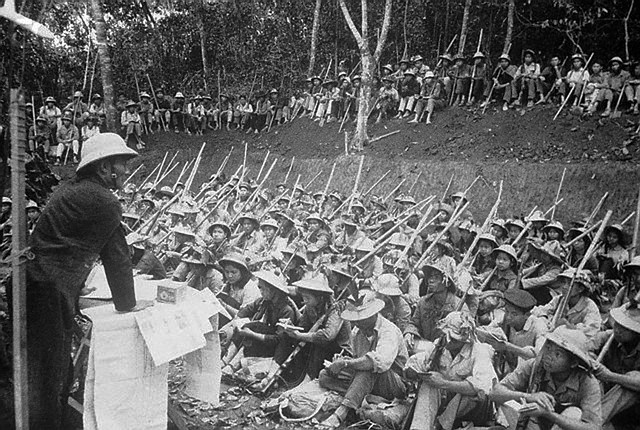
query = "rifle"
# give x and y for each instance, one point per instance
(375, 184)
(553, 211)
(446, 190)
(355, 184)
(126, 181)
(286, 178)
(397, 187)
(415, 183)
(487, 222)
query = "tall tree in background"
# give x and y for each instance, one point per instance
(368, 62)
(202, 30)
(314, 38)
(465, 27)
(511, 11)
(105, 62)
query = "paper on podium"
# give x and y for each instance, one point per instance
(170, 331)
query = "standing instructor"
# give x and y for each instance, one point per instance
(81, 224)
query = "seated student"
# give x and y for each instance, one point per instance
(408, 89)
(554, 230)
(371, 268)
(576, 78)
(379, 355)
(130, 124)
(162, 114)
(630, 283)
(502, 77)
(333, 96)
(527, 79)
(483, 260)
(98, 109)
(198, 270)
(90, 128)
(242, 113)
(594, 90)
(551, 78)
(612, 255)
(479, 73)
(39, 137)
(239, 288)
(565, 395)
(146, 112)
(438, 300)
(396, 309)
(616, 80)
(197, 115)
(68, 137)
(315, 92)
(259, 118)
(257, 337)
(538, 279)
(506, 264)
(331, 336)
(445, 61)
(632, 90)
(432, 97)
(387, 100)
(523, 335)
(581, 312)
(619, 370)
(499, 231)
(457, 384)
(460, 75)
(52, 113)
(250, 241)
(178, 110)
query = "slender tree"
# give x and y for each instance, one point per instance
(105, 62)
(368, 62)
(202, 31)
(465, 27)
(314, 37)
(511, 11)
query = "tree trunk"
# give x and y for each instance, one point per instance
(361, 138)
(368, 63)
(314, 38)
(465, 27)
(511, 11)
(203, 47)
(105, 63)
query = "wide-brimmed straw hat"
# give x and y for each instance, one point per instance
(362, 311)
(573, 341)
(272, 279)
(317, 284)
(387, 284)
(235, 259)
(627, 316)
(222, 225)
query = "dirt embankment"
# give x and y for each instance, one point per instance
(525, 149)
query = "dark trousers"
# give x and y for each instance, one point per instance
(49, 332)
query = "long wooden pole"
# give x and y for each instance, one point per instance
(553, 211)
(286, 178)
(19, 244)
(262, 167)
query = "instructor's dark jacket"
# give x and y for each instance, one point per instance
(81, 223)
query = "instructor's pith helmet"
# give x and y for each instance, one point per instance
(101, 146)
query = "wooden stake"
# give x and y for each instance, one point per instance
(414, 183)
(19, 272)
(263, 164)
(375, 139)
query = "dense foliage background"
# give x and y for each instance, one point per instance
(270, 39)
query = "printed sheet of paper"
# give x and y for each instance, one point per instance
(170, 331)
